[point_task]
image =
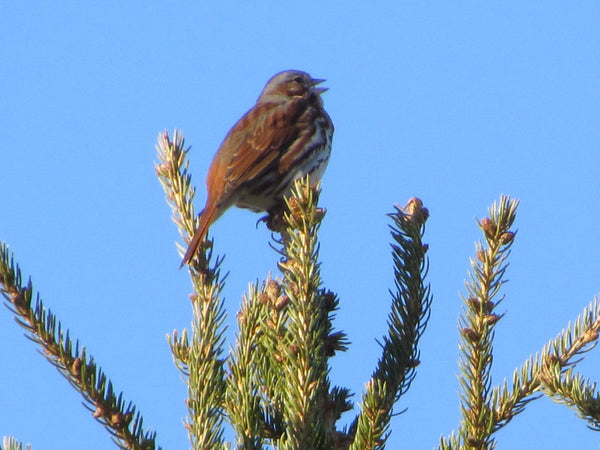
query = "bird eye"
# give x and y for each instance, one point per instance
(298, 79)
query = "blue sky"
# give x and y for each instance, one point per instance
(453, 102)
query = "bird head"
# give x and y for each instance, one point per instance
(291, 83)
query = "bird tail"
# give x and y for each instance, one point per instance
(207, 217)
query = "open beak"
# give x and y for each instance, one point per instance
(318, 90)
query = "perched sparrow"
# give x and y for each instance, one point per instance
(285, 136)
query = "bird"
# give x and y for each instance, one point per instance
(286, 135)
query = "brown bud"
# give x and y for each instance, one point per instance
(282, 302)
(475, 442)
(470, 334)
(488, 227)
(473, 302)
(507, 237)
(273, 289)
(319, 214)
(76, 367)
(416, 212)
(99, 412)
(488, 306)
(18, 299)
(491, 319)
(294, 207)
(117, 420)
(481, 255)
(286, 266)
(413, 205)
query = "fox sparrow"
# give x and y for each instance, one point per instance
(285, 136)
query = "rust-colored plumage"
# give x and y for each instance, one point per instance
(285, 136)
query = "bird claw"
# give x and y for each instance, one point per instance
(273, 220)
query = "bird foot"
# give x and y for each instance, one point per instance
(274, 220)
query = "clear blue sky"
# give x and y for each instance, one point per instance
(453, 102)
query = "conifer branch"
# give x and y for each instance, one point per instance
(486, 410)
(411, 305)
(173, 173)
(575, 391)
(305, 368)
(285, 330)
(199, 356)
(206, 381)
(558, 378)
(245, 386)
(550, 371)
(272, 342)
(477, 324)
(121, 420)
(508, 402)
(298, 334)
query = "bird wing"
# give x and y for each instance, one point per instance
(258, 139)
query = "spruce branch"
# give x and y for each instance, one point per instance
(305, 352)
(551, 372)
(508, 402)
(199, 354)
(575, 391)
(477, 323)
(270, 346)
(411, 306)
(121, 420)
(173, 173)
(285, 338)
(560, 382)
(245, 394)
